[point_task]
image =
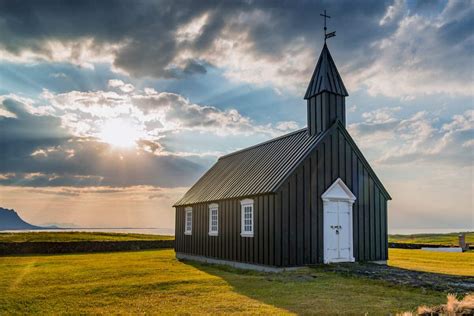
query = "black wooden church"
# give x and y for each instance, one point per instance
(303, 198)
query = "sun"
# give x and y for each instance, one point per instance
(120, 133)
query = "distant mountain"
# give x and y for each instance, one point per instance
(10, 220)
(55, 225)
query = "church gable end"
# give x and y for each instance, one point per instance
(300, 197)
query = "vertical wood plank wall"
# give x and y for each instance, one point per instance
(323, 110)
(229, 245)
(334, 158)
(288, 225)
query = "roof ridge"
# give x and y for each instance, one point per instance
(263, 143)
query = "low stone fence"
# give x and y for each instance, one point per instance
(416, 246)
(411, 246)
(18, 248)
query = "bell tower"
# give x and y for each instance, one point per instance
(326, 92)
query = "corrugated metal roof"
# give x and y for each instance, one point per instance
(251, 171)
(325, 77)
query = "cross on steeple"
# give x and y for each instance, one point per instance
(327, 35)
(326, 92)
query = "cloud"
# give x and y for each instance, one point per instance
(124, 87)
(423, 56)
(394, 12)
(263, 43)
(58, 75)
(381, 46)
(287, 126)
(152, 113)
(70, 140)
(38, 150)
(84, 52)
(418, 138)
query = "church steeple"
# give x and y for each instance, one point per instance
(325, 77)
(326, 93)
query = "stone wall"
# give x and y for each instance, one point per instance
(417, 246)
(15, 248)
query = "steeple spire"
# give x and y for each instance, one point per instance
(326, 92)
(325, 77)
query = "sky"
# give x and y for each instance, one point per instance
(111, 110)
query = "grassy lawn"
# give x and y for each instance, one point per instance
(438, 239)
(155, 282)
(461, 263)
(76, 236)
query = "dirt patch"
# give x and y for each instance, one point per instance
(426, 280)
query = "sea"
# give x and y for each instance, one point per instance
(170, 231)
(152, 231)
(410, 231)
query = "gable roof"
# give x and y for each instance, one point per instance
(251, 171)
(262, 168)
(325, 77)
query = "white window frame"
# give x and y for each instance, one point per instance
(213, 207)
(243, 204)
(188, 212)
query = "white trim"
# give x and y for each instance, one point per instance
(246, 202)
(212, 207)
(351, 259)
(246, 234)
(331, 195)
(187, 212)
(381, 262)
(243, 204)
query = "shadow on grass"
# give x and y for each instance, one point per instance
(317, 290)
(275, 289)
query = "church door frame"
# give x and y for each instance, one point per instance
(338, 242)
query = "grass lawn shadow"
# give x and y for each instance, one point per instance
(315, 290)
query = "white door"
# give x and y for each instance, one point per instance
(338, 201)
(338, 231)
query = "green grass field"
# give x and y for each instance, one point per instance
(76, 236)
(155, 282)
(438, 239)
(461, 263)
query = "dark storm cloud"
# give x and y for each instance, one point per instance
(148, 28)
(143, 38)
(37, 151)
(459, 29)
(428, 5)
(22, 135)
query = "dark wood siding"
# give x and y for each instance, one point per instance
(336, 158)
(323, 110)
(288, 225)
(264, 248)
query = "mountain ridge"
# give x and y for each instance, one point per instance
(10, 220)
